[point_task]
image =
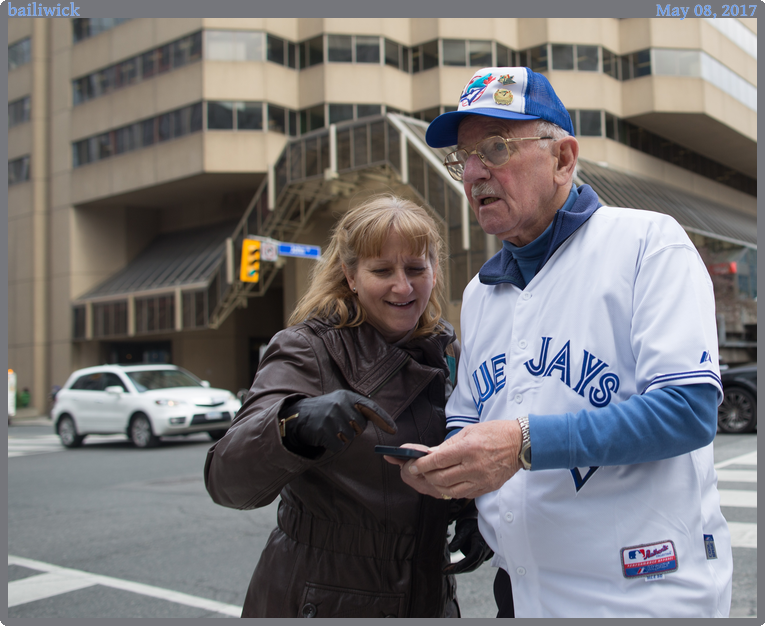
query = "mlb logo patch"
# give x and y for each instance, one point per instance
(649, 559)
(709, 547)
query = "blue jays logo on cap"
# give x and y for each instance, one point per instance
(513, 93)
(475, 89)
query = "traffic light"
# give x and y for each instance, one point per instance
(250, 269)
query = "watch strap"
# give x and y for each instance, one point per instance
(525, 454)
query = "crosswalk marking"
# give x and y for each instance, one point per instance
(743, 534)
(56, 580)
(737, 476)
(44, 586)
(745, 459)
(737, 497)
(43, 444)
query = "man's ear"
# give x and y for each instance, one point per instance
(567, 153)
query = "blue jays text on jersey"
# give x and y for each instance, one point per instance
(490, 377)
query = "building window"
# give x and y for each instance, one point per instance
(367, 49)
(505, 56)
(340, 48)
(479, 53)
(109, 319)
(368, 110)
(589, 124)
(587, 58)
(249, 115)
(393, 54)
(141, 67)
(155, 314)
(19, 111)
(537, 58)
(85, 27)
(233, 45)
(194, 309)
(19, 53)
(276, 48)
(562, 57)
(425, 56)
(340, 113)
(18, 170)
(277, 121)
(312, 118)
(220, 115)
(311, 52)
(141, 134)
(455, 52)
(610, 64)
(78, 322)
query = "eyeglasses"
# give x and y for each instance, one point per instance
(493, 152)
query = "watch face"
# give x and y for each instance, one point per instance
(526, 456)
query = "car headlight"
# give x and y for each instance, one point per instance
(164, 402)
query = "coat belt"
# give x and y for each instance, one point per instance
(349, 539)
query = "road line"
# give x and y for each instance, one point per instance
(737, 497)
(743, 534)
(745, 459)
(43, 586)
(64, 576)
(737, 475)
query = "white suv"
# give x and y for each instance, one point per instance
(145, 402)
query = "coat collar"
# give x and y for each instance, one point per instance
(367, 361)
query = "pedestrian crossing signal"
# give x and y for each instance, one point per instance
(250, 268)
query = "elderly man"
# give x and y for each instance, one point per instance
(588, 386)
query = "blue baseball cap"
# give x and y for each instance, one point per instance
(511, 93)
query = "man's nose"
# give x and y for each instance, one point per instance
(475, 169)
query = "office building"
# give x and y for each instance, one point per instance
(141, 152)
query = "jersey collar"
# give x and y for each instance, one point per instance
(503, 268)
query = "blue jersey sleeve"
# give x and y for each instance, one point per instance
(659, 424)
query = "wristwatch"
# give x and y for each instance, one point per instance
(525, 455)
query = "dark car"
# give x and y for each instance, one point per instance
(738, 411)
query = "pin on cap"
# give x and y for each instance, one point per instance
(511, 93)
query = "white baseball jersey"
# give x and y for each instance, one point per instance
(624, 306)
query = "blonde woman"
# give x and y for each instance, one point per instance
(367, 360)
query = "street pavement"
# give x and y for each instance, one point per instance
(90, 530)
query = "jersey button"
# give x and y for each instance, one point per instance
(518, 398)
(521, 571)
(509, 516)
(526, 295)
(522, 344)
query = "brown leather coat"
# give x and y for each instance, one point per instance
(352, 539)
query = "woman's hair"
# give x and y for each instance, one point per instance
(361, 234)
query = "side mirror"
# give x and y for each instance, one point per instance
(205, 383)
(115, 389)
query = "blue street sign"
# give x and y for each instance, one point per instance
(299, 250)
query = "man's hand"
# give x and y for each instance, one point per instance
(477, 460)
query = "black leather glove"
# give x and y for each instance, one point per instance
(468, 539)
(330, 421)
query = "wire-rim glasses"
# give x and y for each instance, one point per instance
(493, 151)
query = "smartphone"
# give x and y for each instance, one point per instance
(400, 453)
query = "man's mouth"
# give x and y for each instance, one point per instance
(489, 200)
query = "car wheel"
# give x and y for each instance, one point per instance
(216, 434)
(67, 432)
(738, 411)
(141, 433)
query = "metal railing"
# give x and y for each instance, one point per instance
(324, 164)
